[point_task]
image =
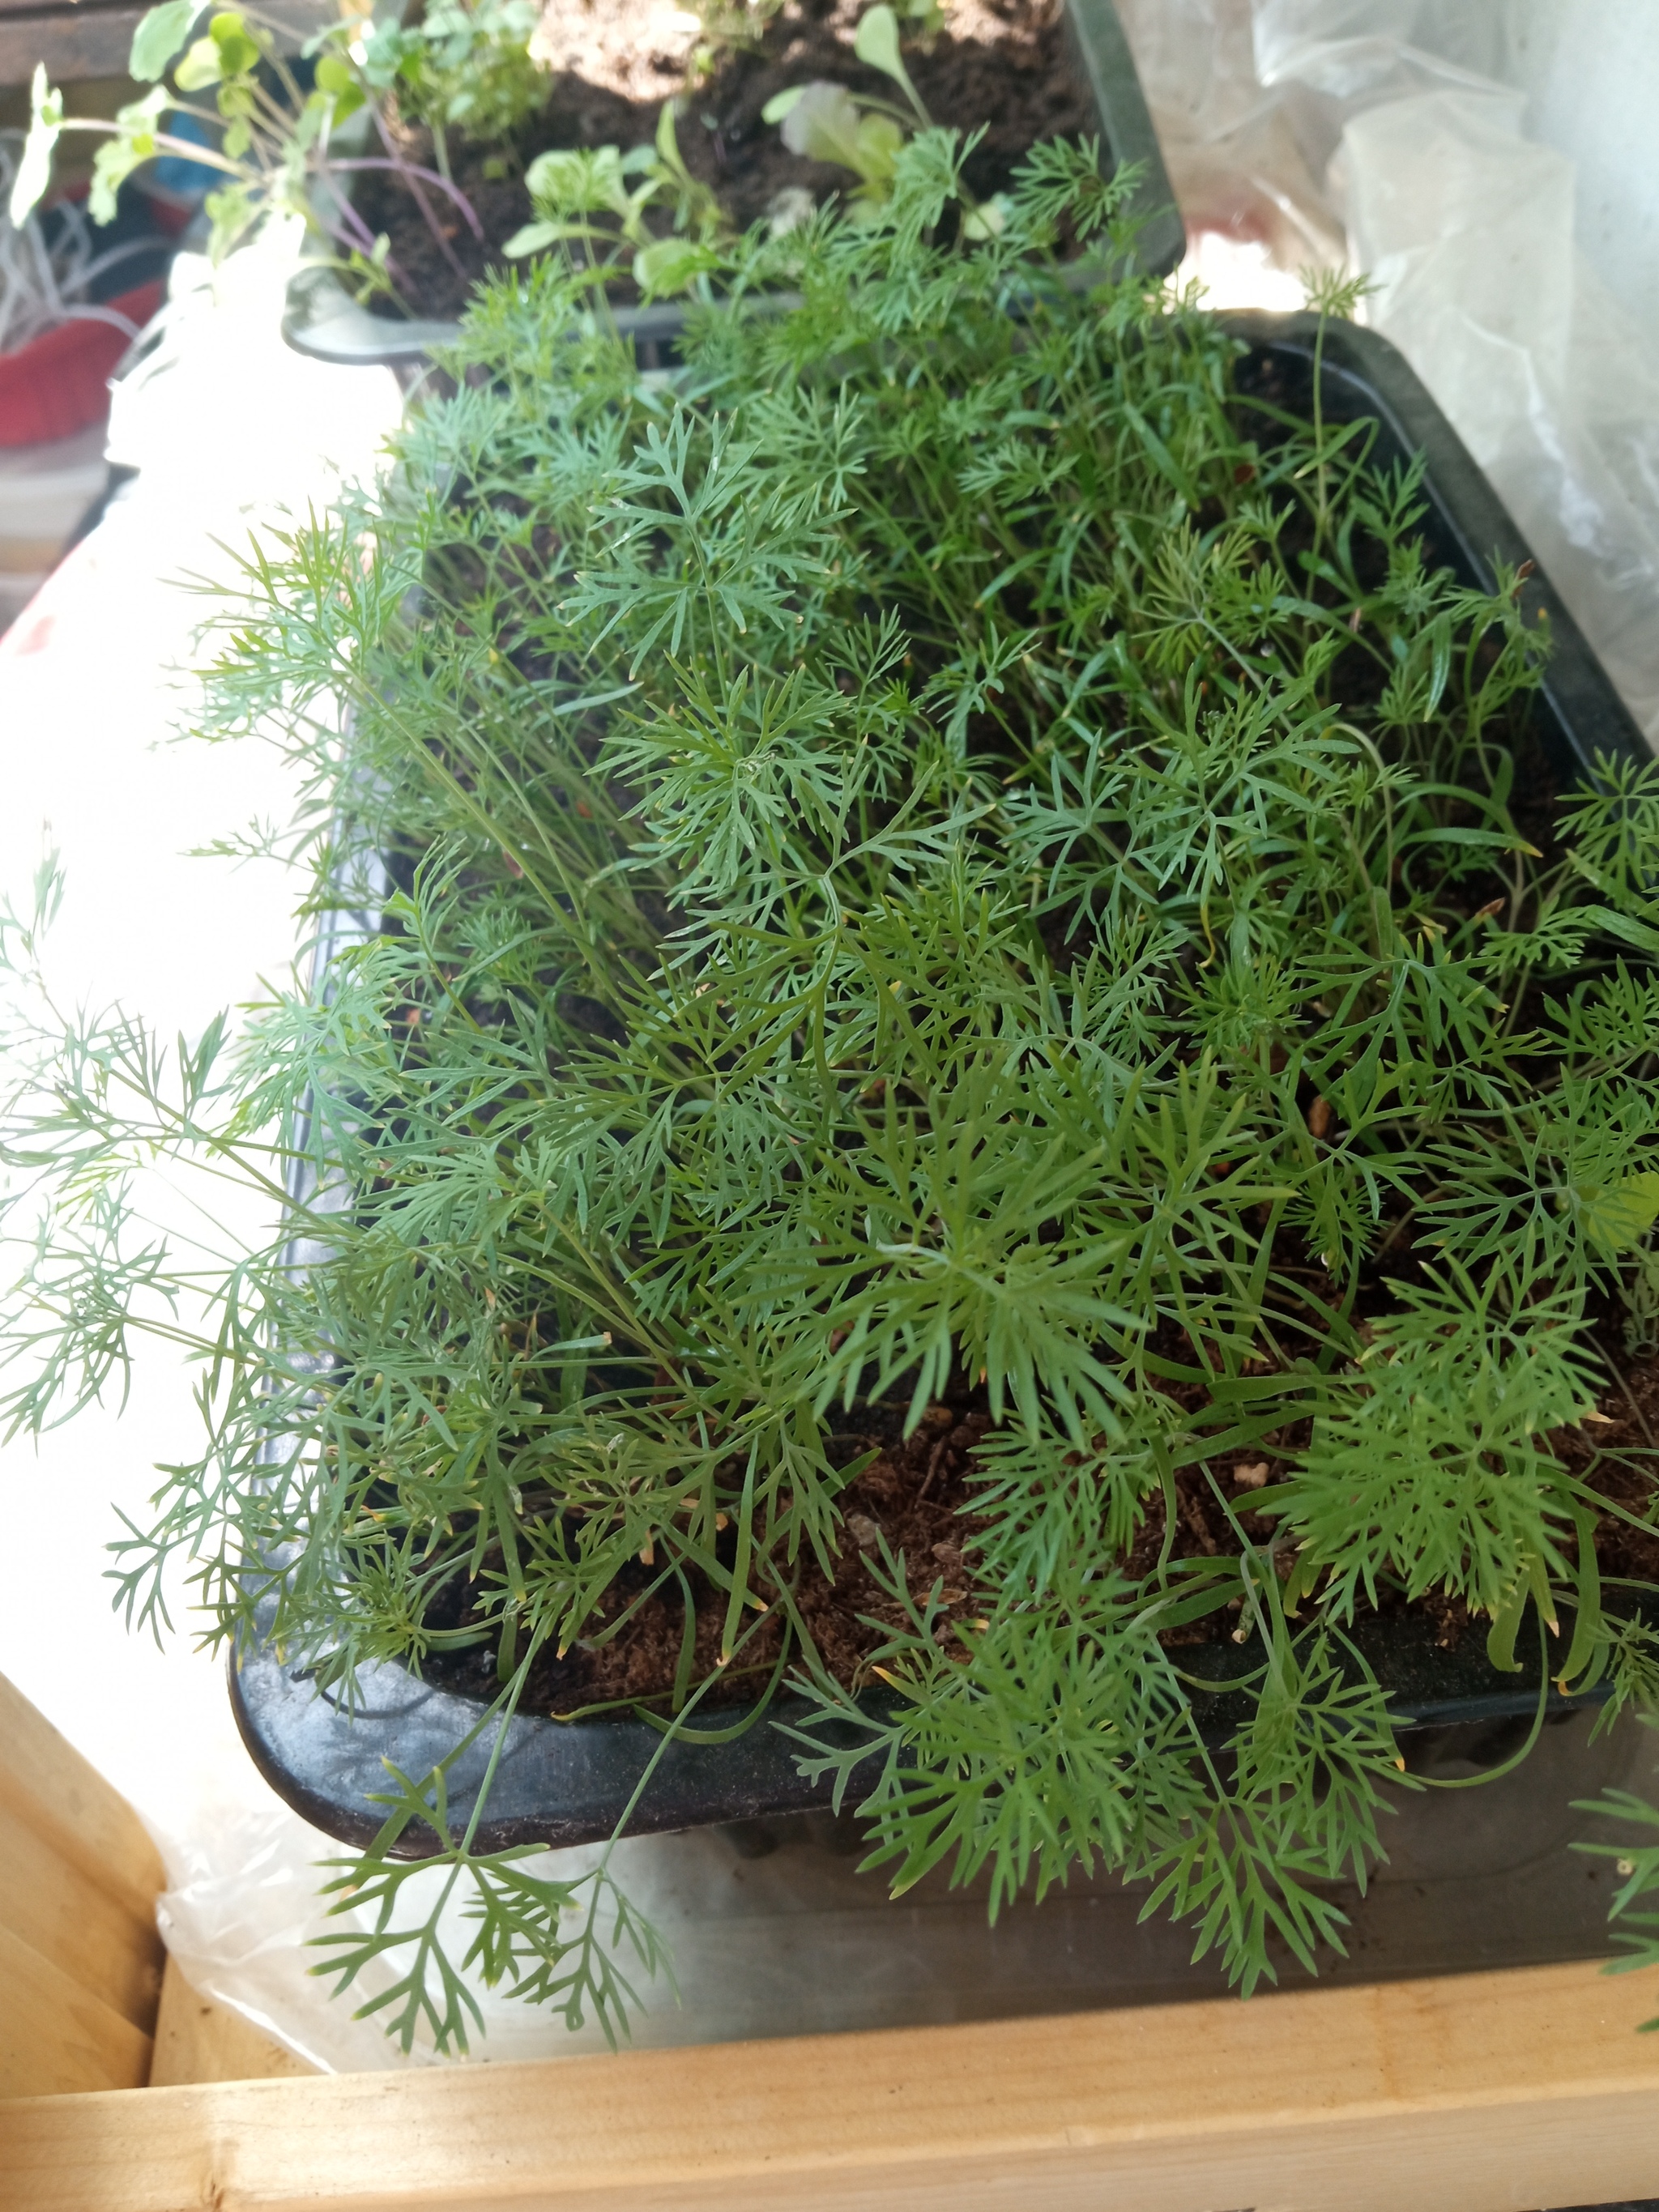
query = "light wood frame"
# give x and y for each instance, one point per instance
(1478, 2092)
(1486, 2092)
(80, 1956)
(82, 40)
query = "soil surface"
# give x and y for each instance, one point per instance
(1007, 65)
(914, 1494)
(917, 1494)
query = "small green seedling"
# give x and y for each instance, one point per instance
(283, 147)
(570, 188)
(727, 27)
(459, 67)
(926, 19)
(824, 122)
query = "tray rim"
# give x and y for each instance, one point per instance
(327, 1765)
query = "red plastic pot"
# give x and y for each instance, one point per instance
(59, 382)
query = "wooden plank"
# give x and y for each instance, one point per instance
(76, 41)
(98, 1940)
(66, 7)
(46, 1785)
(57, 2038)
(1490, 2092)
(197, 2040)
(73, 43)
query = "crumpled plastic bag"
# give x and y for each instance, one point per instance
(1381, 133)
(1467, 230)
(243, 1915)
(239, 1920)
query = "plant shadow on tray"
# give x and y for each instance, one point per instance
(1008, 1074)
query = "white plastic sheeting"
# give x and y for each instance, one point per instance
(229, 432)
(1388, 133)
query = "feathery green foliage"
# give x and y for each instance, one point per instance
(933, 847)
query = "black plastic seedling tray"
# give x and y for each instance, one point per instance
(560, 1782)
(321, 318)
(1467, 528)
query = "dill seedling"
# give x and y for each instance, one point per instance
(937, 853)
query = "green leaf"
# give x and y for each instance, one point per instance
(117, 158)
(880, 142)
(159, 36)
(1532, 1582)
(239, 51)
(668, 144)
(34, 170)
(826, 124)
(582, 180)
(781, 103)
(534, 237)
(1619, 1215)
(232, 214)
(1638, 934)
(821, 124)
(1500, 1637)
(988, 220)
(113, 164)
(202, 65)
(876, 45)
(669, 264)
(337, 78)
(1588, 1652)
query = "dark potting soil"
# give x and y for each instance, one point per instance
(1615, 1452)
(917, 1495)
(914, 1494)
(1004, 64)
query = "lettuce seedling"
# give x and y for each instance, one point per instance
(573, 190)
(824, 122)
